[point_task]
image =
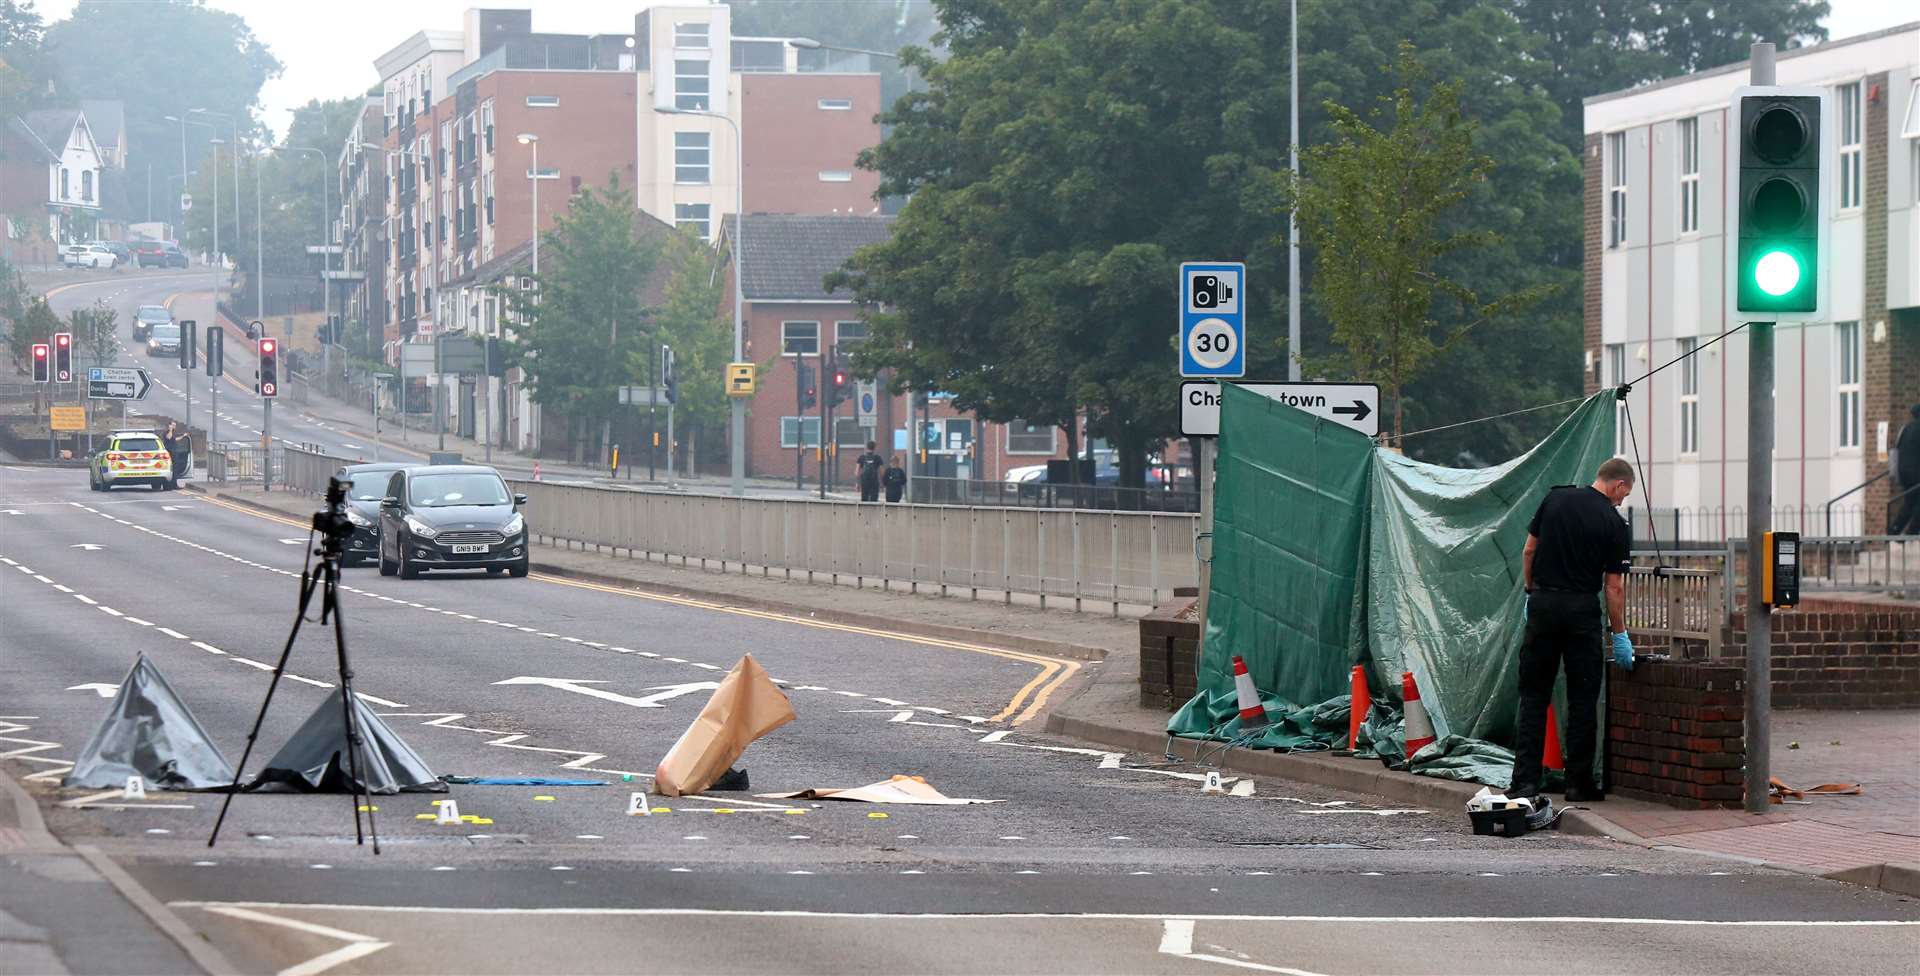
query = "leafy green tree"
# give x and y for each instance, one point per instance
(93, 332)
(587, 325)
(25, 78)
(691, 320)
(37, 323)
(161, 58)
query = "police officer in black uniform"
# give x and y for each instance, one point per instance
(1577, 544)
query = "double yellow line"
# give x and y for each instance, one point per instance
(1026, 703)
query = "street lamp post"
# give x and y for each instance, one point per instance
(737, 419)
(531, 141)
(326, 258)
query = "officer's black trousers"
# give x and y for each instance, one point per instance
(1562, 628)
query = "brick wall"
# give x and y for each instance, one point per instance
(1853, 659)
(1891, 364)
(1675, 733)
(1590, 265)
(1169, 648)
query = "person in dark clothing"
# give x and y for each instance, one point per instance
(1577, 544)
(868, 467)
(895, 480)
(179, 448)
(1906, 472)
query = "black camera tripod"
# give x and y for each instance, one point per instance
(333, 529)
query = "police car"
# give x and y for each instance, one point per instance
(132, 457)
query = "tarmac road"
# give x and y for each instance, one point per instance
(1090, 863)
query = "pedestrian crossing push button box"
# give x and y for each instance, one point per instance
(1781, 581)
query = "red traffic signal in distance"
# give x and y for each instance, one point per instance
(42, 362)
(63, 357)
(269, 367)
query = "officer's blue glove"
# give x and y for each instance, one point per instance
(1623, 651)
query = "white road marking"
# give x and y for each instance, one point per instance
(63, 587)
(357, 945)
(310, 681)
(107, 610)
(170, 632)
(137, 620)
(209, 648)
(100, 688)
(363, 696)
(579, 686)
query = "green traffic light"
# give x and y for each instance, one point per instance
(1776, 273)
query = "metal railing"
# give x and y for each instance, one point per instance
(1123, 560)
(243, 464)
(1678, 604)
(1041, 494)
(306, 469)
(1713, 526)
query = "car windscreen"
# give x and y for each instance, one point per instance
(138, 444)
(166, 331)
(440, 490)
(153, 313)
(369, 486)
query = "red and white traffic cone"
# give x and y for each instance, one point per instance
(1253, 715)
(1419, 727)
(536, 471)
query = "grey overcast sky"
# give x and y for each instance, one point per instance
(328, 46)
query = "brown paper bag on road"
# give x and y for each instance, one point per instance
(746, 706)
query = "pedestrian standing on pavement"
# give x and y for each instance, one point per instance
(1577, 544)
(895, 480)
(868, 466)
(179, 449)
(1905, 465)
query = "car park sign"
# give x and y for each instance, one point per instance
(1213, 319)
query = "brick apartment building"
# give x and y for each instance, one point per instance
(792, 320)
(456, 209)
(1655, 163)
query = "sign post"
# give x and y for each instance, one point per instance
(1213, 330)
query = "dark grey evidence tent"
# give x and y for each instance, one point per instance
(314, 758)
(150, 733)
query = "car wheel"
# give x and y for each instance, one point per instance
(518, 570)
(407, 569)
(173, 484)
(386, 568)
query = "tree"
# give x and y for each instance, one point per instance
(691, 321)
(161, 58)
(1380, 197)
(93, 332)
(587, 322)
(37, 323)
(24, 74)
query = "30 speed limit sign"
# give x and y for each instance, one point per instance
(1213, 319)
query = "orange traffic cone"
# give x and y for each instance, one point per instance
(1253, 715)
(1550, 756)
(1419, 727)
(1361, 702)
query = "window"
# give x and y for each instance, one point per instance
(690, 84)
(792, 429)
(1850, 154)
(1689, 397)
(1847, 336)
(1910, 128)
(65, 191)
(846, 335)
(696, 217)
(1616, 375)
(691, 34)
(692, 157)
(847, 432)
(543, 101)
(86, 186)
(800, 338)
(836, 176)
(1616, 189)
(836, 105)
(489, 191)
(486, 123)
(1029, 438)
(1689, 176)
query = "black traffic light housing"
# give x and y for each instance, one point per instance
(667, 380)
(839, 380)
(269, 350)
(63, 357)
(809, 389)
(216, 347)
(1781, 202)
(42, 362)
(187, 334)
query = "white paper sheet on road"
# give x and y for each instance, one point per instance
(899, 789)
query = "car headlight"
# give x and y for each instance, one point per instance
(421, 529)
(514, 525)
(354, 516)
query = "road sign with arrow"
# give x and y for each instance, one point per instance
(1355, 405)
(118, 383)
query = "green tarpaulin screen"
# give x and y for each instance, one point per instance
(1328, 552)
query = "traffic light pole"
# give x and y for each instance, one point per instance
(1760, 410)
(266, 443)
(800, 423)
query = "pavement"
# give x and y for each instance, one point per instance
(1100, 855)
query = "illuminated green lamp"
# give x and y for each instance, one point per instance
(1777, 272)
